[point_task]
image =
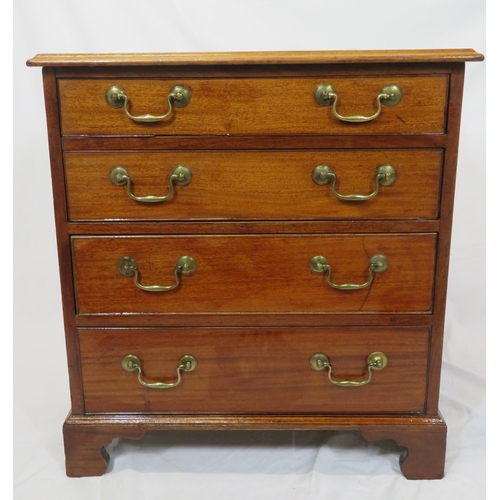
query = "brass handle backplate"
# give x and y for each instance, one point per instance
(377, 264)
(325, 95)
(186, 265)
(131, 363)
(385, 176)
(180, 176)
(116, 97)
(376, 361)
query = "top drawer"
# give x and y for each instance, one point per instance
(267, 106)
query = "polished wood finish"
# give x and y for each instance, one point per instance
(272, 58)
(84, 446)
(228, 142)
(254, 227)
(253, 185)
(254, 274)
(303, 318)
(243, 71)
(253, 106)
(256, 371)
(424, 457)
(423, 438)
(252, 218)
(444, 242)
(63, 242)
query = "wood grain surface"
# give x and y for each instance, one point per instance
(141, 227)
(253, 106)
(253, 185)
(253, 312)
(423, 437)
(254, 274)
(252, 371)
(91, 143)
(270, 57)
(63, 242)
(444, 237)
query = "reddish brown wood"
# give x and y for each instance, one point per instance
(255, 422)
(254, 274)
(424, 457)
(237, 142)
(253, 106)
(253, 70)
(230, 58)
(253, 185)
(253, 288)
(254, 227)
(245, 319)
(63, 242)
(444, 235)
(85, 446)
(255, 371)
(424, 438)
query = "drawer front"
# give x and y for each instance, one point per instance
(246, 370)
(254, 274)
(254, 106)
(253, 185)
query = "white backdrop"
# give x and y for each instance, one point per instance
(250, 465)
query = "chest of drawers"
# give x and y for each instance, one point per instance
(254, 241)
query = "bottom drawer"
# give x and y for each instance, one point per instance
(254, 370)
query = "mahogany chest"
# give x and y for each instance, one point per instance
(254, 241)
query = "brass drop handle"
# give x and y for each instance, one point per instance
(325, 95)
(376, 361)
(186, 265)
(385, 175)
(377, 264)
(131, 363)
(116, 97)
(180, 176)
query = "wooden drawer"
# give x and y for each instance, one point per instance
(259, 370)
(254, 106)
(253, 185)
(254, 273)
